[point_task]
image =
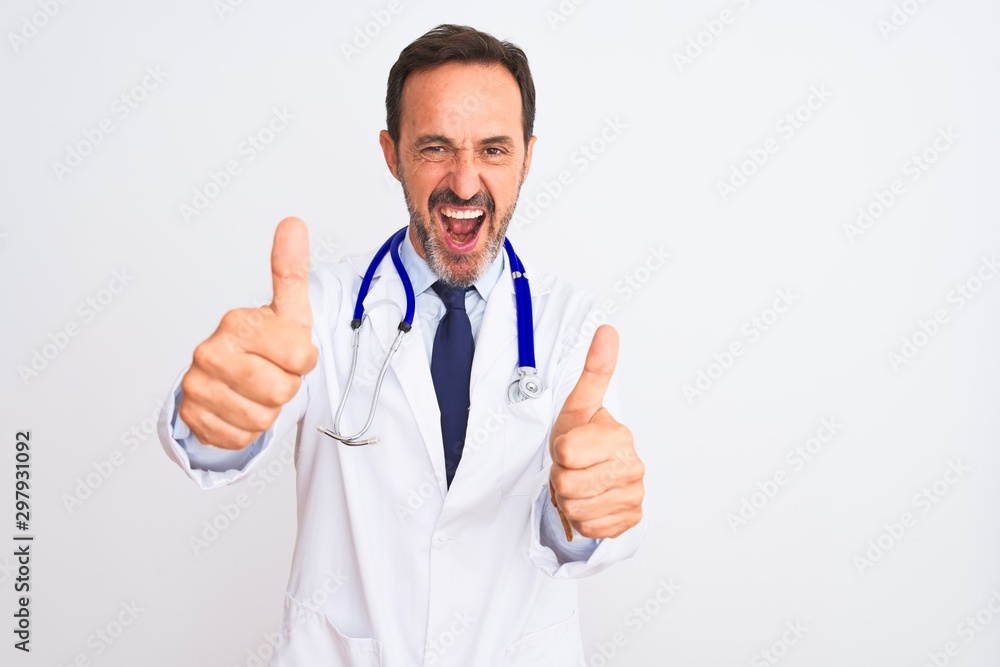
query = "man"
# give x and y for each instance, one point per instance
(462, 530)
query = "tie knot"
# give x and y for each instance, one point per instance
(453, 297)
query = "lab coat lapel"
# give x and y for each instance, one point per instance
(410, 364)
(497, 333)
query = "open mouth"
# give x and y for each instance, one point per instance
(461, 226)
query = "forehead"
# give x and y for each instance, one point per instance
(456, 99)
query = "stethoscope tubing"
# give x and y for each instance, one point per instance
(525, 331)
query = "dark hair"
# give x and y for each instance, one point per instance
(447, 43)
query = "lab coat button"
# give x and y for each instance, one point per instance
(439, 539)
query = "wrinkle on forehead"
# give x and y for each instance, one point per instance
(464, 102)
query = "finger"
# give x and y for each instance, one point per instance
(211, 430)
(587, 396)
(615, 501)
(215, 396)
(250, 375)
(618, 472)
(591, 443)
(280, 341)
(290, 272)
(608, 526)
(260, 381)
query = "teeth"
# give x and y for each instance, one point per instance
(461, 215)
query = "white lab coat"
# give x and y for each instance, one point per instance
(431, 576)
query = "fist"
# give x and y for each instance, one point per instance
(254, 362)
(596, 476)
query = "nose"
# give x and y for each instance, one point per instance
(464, 176)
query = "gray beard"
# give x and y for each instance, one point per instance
(451, 268)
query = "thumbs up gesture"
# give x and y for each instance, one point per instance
(596, 477)
(254, 362)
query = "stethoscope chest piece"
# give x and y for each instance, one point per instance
(529, 385)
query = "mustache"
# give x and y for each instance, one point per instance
(447, 197)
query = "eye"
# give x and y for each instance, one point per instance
(435, 153)
(494, 151)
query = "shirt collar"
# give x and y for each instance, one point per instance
(422, 277)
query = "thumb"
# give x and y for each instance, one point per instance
(587, 397)
(290, 272)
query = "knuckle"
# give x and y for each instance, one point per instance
(244, 440)
(186, 412)
(202, 358)
(630, 499)
(207, 357)
(313, 357)
(253, 317)
(565, 451)
(562, 483)
(260, 419)
(231, 320)
(302, 358)
(283, 388)
(639, 495)
(187, 389)
(194, 394)
(230, 439)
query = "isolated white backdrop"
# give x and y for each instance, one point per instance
(682, 127)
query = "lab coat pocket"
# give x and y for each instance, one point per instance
(309, 638)
(557, 645)
(526, 441)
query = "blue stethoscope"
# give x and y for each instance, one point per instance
(528, 384)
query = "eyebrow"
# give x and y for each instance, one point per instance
(428, 139)
(433, 139)
(502, 139)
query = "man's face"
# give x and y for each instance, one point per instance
(461, 160)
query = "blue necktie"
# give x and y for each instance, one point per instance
(451, 369)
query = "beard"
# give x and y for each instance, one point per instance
(452, 268)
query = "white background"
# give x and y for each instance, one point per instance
(686, 126)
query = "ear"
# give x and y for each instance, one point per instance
(389, 151)
(527, 155)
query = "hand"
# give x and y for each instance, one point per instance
(596, 477)
(254, 362)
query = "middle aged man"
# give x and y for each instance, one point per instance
(440, 545)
